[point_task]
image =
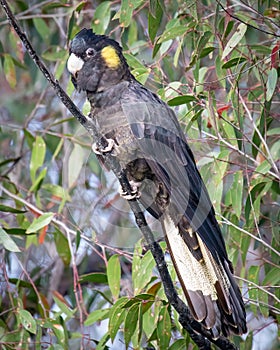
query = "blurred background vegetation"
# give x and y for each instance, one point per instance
(74, 271)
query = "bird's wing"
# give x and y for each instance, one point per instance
(164, 146)
(194, 238)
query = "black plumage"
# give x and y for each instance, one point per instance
(151, 147)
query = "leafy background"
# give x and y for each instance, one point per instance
(74, 270)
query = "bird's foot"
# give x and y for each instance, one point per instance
(135, 194)
(97, 150)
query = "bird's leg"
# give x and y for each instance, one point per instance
(135, 194)
(98, 150)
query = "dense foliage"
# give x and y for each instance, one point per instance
(74, 270)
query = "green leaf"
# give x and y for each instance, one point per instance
(164, 328)
(133, 62)
(55, 54)
(140, 324)
(157, 47)
(180, 100)
(264, 303)
(126, 12)
(154, 20)
(102, 342)
(130, 323)
(141, 74)
(9, 70)
(96, 315)
(263, 168)
(117, 315)
(27, 321)
(172, 33)
(7, 209)
(142, 272)
(75, 164)
(57, 191)
(58, 148)
(271, 83)
(79, 7)
(153, 8)
(235, 39)
(150, 319)
(42, 28)
(37, 156)
(20, 283)
(101, 17)
(71, 25)
(255, 196)
(261, 49)
(78, 239)
(274, 131)
(64, 308)
(213, 174)
(143, 297)
(30, 139)
(38, 181)
(230, 133)
(253, 275)
(96, 277)
(272, 278)
(236, 192)
(114, 275)
(261, 127)
(203, 40)
(234, 62)
(62, 247)
(57, 326)
(40, 222)
(16, 231)
(132, 36)
(179, 344)
(7, 242)
(275, 150)
(13, 161)
(206, 51)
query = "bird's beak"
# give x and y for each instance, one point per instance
(74, 64)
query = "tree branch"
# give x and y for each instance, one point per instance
(198, 334)
(247, 23)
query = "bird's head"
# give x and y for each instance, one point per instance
(96, 62)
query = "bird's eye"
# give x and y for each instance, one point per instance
(90, 52)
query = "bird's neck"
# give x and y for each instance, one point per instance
(108, 96)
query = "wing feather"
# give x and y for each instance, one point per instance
(170, 158)
(192, 233)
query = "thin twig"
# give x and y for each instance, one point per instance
(248, 24)
(229, 223)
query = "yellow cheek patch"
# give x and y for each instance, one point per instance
(111, 57)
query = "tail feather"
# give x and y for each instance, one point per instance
(209, 287)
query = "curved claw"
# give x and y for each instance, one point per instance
(97, 150)
(135, 194)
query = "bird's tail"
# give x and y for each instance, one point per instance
(209, 286)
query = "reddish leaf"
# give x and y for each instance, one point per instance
(34, 213)
(220, 110)
(42, 234)
(9, 70)
(209, 124)
(43, 306)
(275, 56)
(154, 288)
(60, 297)
(19, 47)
